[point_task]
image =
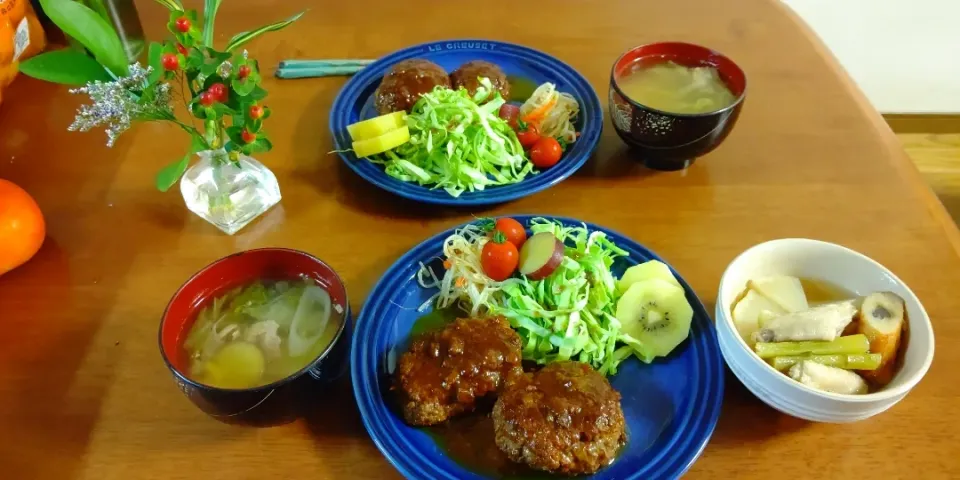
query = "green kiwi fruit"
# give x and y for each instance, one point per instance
(656, 313)
(646, 271)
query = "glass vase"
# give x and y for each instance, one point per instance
(229, 194)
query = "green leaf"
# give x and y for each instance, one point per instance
(153, 59)
(194, 59)
(168, 176)
(197, 110)
(218, 57)
(235, 133)
(172, 5)
(198, 144)
(244, 37)
(70, 67)
(260, 145)
(244, 87)
(266, 113)
(223, 109)
(254, 125)
(91, 30)
(210, 8)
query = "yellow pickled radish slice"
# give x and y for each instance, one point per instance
(376, 126)
(387, 141)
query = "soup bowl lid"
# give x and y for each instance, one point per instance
(235, 270)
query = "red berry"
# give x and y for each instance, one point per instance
(243, 72)
(207, 99)
(170, 61)
(256, 112)
(247, 136)
(219, 92)
(182, 49)
(182, 24)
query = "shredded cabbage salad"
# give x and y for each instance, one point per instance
(457, 144)
(567, 316)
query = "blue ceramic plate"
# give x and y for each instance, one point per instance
(355, 103)
(671, 406)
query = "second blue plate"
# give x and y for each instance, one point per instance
(671, 406)
(355, 103)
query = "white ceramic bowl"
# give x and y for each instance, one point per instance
(840, 266)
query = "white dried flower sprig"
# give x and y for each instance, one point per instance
(117, 103)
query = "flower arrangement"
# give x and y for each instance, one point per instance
(220, 89)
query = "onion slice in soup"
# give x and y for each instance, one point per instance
(309, 321)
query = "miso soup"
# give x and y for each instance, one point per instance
(260, 333)
(676, 88)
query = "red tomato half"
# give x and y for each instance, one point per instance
(499, 257)
(546, 152)
(528, 135)
(512, 230)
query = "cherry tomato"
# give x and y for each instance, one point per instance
(243, 72)
(256, 112)
(182, 49)
(546, 152)
(512, 230)
(169, 61)
(528, 135)
(182, 24)
(247, 136)
(510, 113)
(219, 92)
(499, 257)
(207, 99)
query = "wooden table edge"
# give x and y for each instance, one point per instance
(903, 164)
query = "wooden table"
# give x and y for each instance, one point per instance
(84, 393)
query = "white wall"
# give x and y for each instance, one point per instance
(904, 54)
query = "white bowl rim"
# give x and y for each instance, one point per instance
(885, 394)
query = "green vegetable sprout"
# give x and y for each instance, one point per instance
(220, 89)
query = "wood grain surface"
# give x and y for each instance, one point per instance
(84, 393)
(937, 156)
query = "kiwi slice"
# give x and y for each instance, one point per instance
(657, 314)
(646, 271)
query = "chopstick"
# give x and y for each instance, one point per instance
(289, 69)
(285, 64)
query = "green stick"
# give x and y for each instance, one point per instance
(858, 361)
(850, 344)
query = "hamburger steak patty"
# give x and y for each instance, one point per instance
(444, 373)
(467, 76)
(402, 86)
(565, 418)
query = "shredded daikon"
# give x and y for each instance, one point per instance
(463, 281)
(557, 120)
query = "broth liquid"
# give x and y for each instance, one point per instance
(819, 292)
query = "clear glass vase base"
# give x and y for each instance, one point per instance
(229, 195)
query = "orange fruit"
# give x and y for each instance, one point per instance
(22, 228)
(14, 9)
(7, 34)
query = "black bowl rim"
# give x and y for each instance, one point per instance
(289, 378)
(735, 104)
